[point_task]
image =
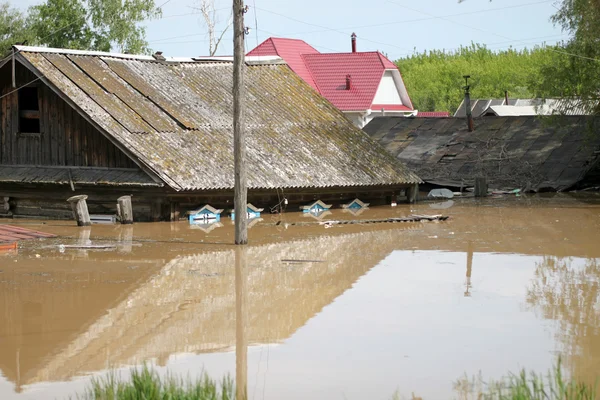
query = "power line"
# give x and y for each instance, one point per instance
(329, 29)
(21, 87)
(488, 32)
(425, 19)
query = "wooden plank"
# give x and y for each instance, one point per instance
(4, 130)
(76, 138)
(83, 132)
(45, 134)
(53, 128)
(8, 128)
(68, 117)
(60, 117)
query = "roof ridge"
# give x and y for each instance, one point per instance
(311, 73)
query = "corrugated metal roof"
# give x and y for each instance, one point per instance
(512, 152)
(523, 107)
(10, 233)
(176, 119)
(77, 175)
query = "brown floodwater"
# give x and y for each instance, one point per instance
(309, 311)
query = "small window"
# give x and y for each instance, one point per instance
(29, 110)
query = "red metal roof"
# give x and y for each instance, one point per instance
(10, 233)
(433, 114)
(326, 72)
(291, 51)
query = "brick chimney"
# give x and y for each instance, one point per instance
(348, 82)
(353, 42)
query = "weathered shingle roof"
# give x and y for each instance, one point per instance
(512, 152)
(175, 118)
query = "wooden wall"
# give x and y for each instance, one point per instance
(65, 138)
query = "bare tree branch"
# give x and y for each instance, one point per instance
(207, 9)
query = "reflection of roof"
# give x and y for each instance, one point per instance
(317, 204)
(175, 118)
(189, 305)
(513, 152)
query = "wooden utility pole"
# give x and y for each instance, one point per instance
(239, 134)
(468, 104)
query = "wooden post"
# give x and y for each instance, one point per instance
(125, 210)
(14, 75)
(412, 193)
(481, 187)
(80, 210)
(241, 320)
(239, 134)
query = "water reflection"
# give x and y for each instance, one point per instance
(241, 321)
(88, 319)
(469, 269)
(567, 290)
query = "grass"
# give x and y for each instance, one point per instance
(146, 384)
(526, 386)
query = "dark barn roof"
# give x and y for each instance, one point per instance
(175, 117)
(513, 152)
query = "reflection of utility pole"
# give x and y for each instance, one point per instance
(241, 318)
(469, 267)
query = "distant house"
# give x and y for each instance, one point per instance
(363, 85)
(512, 152)
(520, 107)
(107, 125)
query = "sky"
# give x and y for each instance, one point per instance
(395, 27)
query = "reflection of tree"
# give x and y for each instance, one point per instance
(571, 296)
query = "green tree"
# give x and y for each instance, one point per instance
(577, 75)
(13, 28)
(93, 24)
(62, 23)
(434, 79)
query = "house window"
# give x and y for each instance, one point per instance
(29, 110)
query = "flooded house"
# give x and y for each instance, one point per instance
(160, 129)
(525, 152)
(362, 84)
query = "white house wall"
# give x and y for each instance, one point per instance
(387, 92)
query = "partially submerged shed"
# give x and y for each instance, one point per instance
(512, 152)
(112, 124)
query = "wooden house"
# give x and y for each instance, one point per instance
(107, 125)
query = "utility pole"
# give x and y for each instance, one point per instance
(239, 134)
(468, 103)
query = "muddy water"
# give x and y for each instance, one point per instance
(354, 311)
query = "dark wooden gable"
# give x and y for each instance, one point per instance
(65, 138)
